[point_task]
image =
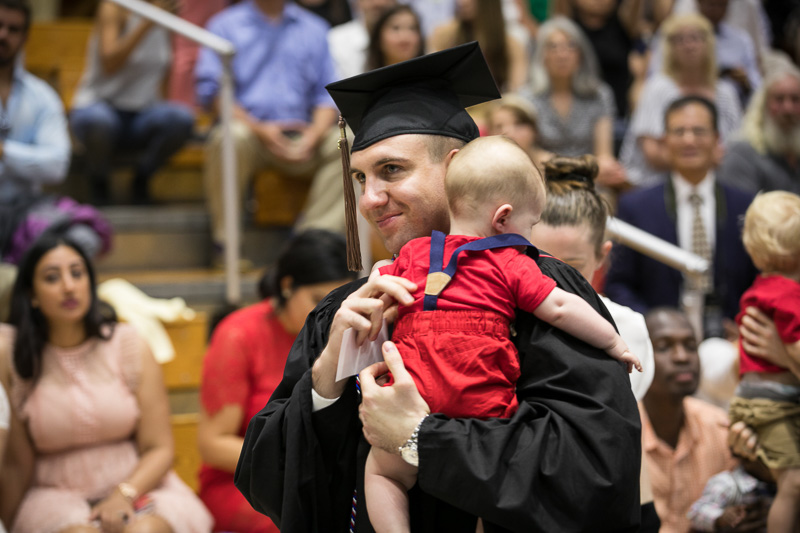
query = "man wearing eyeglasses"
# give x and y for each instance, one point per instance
(693, 210)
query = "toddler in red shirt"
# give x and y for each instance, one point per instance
(768, 396)
(454, 338)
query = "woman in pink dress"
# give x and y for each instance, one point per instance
(95, 429)
(244, 363)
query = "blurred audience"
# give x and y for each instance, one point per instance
(613, 27)
(35, 152)
(283, 116)
(689, 68)
(244, 363)
(483, 21)
(515, 117)
(736, 56)
(97, 442)
(766, 154)
(694, 211)
(34, 140)
(184, 51)
(395, 37)
(684, 440)
(349, 42)
(747, 15)
(119, 105)
(575, 108)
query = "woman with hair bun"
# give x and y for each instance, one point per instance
(244, 363)
(572, 228)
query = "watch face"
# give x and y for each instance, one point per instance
(410, 456)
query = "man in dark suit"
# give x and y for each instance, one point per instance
(694, 211)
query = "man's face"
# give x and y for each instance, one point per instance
(783, 102)
(677, 364)
(402, 190)
(713, 10)
(690, 139)
(12, 34)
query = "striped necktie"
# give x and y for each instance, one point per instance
(700, 244)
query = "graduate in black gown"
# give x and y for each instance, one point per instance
(568, 460)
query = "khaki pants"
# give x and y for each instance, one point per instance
(324, 207)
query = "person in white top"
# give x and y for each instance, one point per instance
(572, 228)
(119, 104)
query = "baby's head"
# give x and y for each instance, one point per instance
(772, 232)
(490, 172)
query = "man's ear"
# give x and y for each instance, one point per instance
(449, 156)
(500, 218)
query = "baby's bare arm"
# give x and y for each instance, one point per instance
(574, 315)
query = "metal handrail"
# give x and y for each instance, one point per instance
(657, 248)
(226, 51)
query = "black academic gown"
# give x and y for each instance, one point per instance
(568, 460)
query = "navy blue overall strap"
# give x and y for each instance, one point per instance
(437, 257)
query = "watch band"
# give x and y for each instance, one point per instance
(410, 450)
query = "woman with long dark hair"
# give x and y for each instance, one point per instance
(91, 400)
(482, 21)
(244, 363)
(395, 37)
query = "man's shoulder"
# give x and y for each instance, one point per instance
(643, 198)
(706, 414)
(40, 90)
(741, 147)
(739, 200)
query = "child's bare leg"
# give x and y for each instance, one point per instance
(387, 478)
(783, 515)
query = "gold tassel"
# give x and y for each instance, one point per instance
(350, 213)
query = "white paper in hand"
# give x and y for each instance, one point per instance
(353, 358)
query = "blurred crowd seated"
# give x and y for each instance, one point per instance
(677, 99)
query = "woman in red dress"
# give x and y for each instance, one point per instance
(244, 363)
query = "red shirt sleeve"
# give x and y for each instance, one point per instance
(530, 286)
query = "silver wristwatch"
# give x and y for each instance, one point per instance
(409, 451)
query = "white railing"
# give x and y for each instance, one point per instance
(659, 249)
(230, 199)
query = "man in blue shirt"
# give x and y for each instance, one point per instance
(284, 118)
(34, 141)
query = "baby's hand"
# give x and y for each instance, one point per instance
(620, 352)
(631, 360)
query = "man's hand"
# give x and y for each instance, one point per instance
(364, 311)
(271, 136)
(390, 414)
(760, 337)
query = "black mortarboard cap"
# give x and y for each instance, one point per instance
(426, 95)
